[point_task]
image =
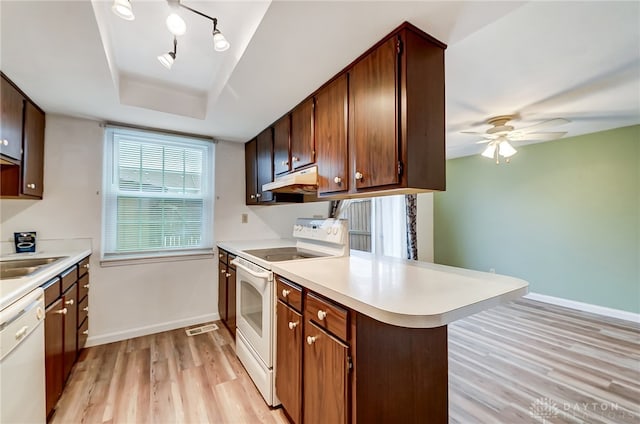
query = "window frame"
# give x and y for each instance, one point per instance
(113, 135)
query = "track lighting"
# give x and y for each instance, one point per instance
(167, 59)
(176, 26)
(123, 9)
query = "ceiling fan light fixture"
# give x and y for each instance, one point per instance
(123, 9)
(490, 151)
(167, 59)
(176, 24)
(220, 43)
(506, 149)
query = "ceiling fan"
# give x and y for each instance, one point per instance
(501, 134)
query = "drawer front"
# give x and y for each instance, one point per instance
(83, 286)
(289, 293)
(83, 267)
(83, 310)
(223, 256)
(327, 315)
(52, 291)
(83, 334)
(69, 277)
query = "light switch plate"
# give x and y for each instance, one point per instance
(245, 218)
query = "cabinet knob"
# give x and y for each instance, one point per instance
(285, 163)
(62, 311)
(359, 175)
(285, 292)
(322, 315)
(220, 255)
(227, 275)
(31, 186)
(85, 332)
(5, 142)
(223, 271)
(337, 180)
(295, 159)
(69, 302)
(311, 340)
(86, 309)
(292, 325)
(86, 266)
(86, 286)
(258, 196)
(253, 196)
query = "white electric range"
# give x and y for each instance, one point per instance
(256, 298)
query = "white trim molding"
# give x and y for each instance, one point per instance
(585, 307)
(149, 329)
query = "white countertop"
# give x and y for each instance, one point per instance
(395, 291)
(13, 289)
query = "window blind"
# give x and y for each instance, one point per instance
(158, 193)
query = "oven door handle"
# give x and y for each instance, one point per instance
(264, 274)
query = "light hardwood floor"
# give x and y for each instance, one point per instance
(526, 362)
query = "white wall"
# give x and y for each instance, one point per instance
(132, 300)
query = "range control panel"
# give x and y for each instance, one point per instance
(328, 230)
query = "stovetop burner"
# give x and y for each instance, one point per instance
(280, 254)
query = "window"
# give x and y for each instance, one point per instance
(158, 194)
(377, 225)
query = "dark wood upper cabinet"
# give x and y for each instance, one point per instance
(265, 164)
(251, 171)
(33, 159)
(302, 137)
(374, 112)
(331, 137)
(281, 159)
(11, 121)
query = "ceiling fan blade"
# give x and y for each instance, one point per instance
(472, 132)
(541, 125)
(484, 141)
(542, 136)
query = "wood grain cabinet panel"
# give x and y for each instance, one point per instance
(331, 114)
(70, 303)
(227, 291)
(373, 84)
(33, 155)
(251, 172)
(281, 148)
(302, 135)
(11, 121)
(231, 300)
(54, 353)
(265, 164)
(326, 369)
(289, 293)
(289, 360)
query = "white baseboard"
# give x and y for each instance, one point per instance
(585, 307)
(117, 336)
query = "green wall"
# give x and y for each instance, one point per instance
(563, 215)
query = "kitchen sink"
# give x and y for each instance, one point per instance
(16, 268)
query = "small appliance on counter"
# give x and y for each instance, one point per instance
(25, 242)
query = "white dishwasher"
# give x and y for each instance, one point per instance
(22, 377)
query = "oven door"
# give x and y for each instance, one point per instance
(255, 308)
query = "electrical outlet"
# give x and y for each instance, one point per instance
(245, 218)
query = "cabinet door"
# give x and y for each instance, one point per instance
(265, 164)
(326, 395)
(331, 136)
(373, 100)
(231, 300)
(70, 299)
(289, 360)
(33, 156)
(11, 121)
(222, 290)
(251, 172)
(54, 353)
(281, 163)
(302, 139)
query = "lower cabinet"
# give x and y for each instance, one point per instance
(354, 369)
(326, 379)
(227, 290)
(66, 327)
(289, 360)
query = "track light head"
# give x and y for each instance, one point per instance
(167, 59)
(220, 43)
(123, 9)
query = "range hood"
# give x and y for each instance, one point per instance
(304, 182)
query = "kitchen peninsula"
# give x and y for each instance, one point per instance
(373, 334)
